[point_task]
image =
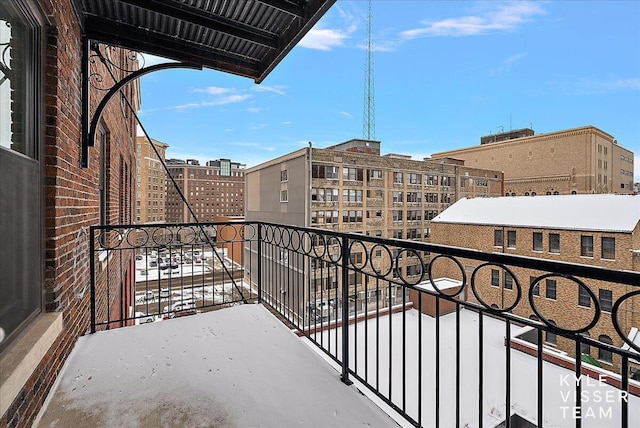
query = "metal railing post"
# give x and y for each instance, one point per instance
(260, 262)
(92, 270)
(345, 311)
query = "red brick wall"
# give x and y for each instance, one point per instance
(72, 199)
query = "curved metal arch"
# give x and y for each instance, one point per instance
(89, 137)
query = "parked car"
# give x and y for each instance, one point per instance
(179, 306)
(149, 295)
(164, 292)
(142, 318)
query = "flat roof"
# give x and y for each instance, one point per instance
(606, 212)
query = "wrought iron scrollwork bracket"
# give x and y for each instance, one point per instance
(89, 125)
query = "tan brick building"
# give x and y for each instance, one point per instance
(580, 160)
(150, 181)
(212, 190)
(350, 187)
(598, 230)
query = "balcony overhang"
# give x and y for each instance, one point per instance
(243, 37)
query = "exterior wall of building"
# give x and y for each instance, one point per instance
(581, 160)
(353, 190)
(564, 307)
(207, 190)
(265, 184)
(150, 181)
(72, 202)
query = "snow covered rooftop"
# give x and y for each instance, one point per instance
(607, 212)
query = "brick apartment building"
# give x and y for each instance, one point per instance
(350, 187)
(150, 181)
(212, 190)
(579, 160)
(45, 280)
(598, 230)
(68, 154)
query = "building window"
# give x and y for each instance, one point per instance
(351, 195)
(552, 338)
(495, 277)
(536, 287)
(284, 175)
(584, 299)
(608, 248)
(584, 347)
(537, 241)
(352, 174)
(375, 174)
(413, 197)
(498, 239)
(606, 300)
(586, 246)
(397, 215)
(328, 172)
(554, 242)
(604, 355)
(283, 196)
(550, 289)
(508, 281)
(414, 178)
(511, 239)
(397, 178)
(351, 216)
(398, 197)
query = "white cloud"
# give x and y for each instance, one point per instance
(346, 114)
(590, 86)
(214, 90)
(287, 123)
(228, 99)
(254, 109)
(324, 39)
(276, 89)
(258, 126)
(506, 64)
(503, 17)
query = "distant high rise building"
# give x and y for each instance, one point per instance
(350, 187)
(150, 181)
(213, 190)
(573, 161)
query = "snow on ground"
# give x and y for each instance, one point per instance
(601, 402)
(236, 367)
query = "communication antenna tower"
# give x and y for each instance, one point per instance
(369, 119)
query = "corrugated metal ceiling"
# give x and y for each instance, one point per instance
(244, 37)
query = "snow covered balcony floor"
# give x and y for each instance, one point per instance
(235, 367)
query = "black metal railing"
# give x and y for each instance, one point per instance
(146, 273)
(445, 336)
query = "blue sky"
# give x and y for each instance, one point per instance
(445, 72)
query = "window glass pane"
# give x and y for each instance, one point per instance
(497, 238)
(606, 300)
(537, 241)
(586, 246)
(608, 248)
(554, 243)
(551, 289)
(15, 51)
(583, 297)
